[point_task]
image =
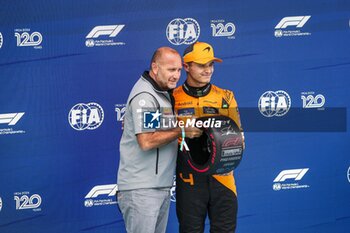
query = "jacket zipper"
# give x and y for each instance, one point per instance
(157, 161)
(172, 107)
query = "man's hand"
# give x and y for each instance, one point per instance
(193, 132)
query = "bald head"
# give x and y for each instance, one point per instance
(166, 67)
(161, 54)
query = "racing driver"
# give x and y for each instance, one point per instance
(199, 195)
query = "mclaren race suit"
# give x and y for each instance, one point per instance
(196, 194)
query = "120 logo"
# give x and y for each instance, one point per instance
(221, 29)
(311, 101)
(120, 110)
(27, 202)
(26, 39)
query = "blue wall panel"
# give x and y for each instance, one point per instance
(48, 169)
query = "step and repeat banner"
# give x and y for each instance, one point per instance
(67, 67)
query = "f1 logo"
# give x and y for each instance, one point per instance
(297, 21)
(107, 30)
(10, 118)
(296, 174)
(110, 189)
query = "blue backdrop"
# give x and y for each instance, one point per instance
(66, 69)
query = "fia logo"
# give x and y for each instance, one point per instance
(27, 202)
(274, 103)
(311, 101)
(183, 31)
(25, 38)
(86, 116)
(151, 120)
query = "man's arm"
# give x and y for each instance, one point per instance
(148, 141)
(153, 139)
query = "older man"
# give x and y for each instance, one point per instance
(148, 154)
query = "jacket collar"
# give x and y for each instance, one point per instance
(149, 79)
(156, 87)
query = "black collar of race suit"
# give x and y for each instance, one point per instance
(196, 91)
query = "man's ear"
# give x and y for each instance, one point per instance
(154, 68)
(186, 66)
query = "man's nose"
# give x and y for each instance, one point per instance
(177, 74)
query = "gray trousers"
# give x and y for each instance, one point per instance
(145, 210)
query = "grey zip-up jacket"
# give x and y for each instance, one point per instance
(145, 169)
